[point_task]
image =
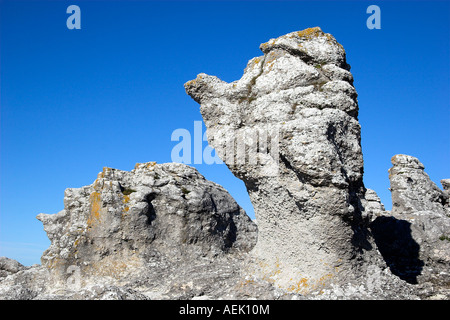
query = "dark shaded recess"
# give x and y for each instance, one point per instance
(151, 213)
(359, 225)
(224, 226)
(398, 248)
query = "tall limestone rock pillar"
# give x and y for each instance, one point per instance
(289, 129)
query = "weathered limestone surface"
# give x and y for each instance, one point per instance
(168, 206)
(414, 237)
(306, 188)
(9, 266)
(138, 228)
(412, 189)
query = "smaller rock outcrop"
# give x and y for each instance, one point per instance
(373, 207)
(412, 189)
(9, 266)
(161, 230)
(414, 238)
(154, 209)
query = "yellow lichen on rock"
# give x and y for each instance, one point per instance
(115, 267)
(96, 205)
(150, 164)
(310, 33)
(145, 165)
(126, 199)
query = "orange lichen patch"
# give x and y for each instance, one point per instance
(96, 205)
(98, 184)
(299, 286)
(145, 165)
(270, 61)
(270, 272)
(51, 264)
(150, 164)
(114, 266)
(322, 281)
(193, 82)
(265, 45)
(288, 279)
(310, 32)
(126, 199)
(247, 282)
(271, 57)
(305, 285)
(106, 170)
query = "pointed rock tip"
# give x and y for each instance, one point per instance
(406, 161)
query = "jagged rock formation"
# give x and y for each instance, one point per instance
(306, 180)
(9, 266)
(415, 238)
(140, 228)
(412, 189)
(373, 207)
(125, 215)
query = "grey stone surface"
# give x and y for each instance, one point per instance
(306, 183)
(169, 207)
(414, 237)
(137, 229)
(373, 207)
(9, 266)
(412, 189)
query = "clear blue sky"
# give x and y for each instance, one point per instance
(111, 94)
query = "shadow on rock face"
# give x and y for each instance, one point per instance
(398, 248)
